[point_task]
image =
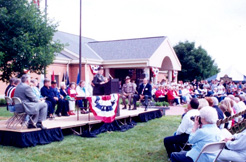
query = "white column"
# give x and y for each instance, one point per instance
(147, 73)
(107, 72)
(155, 79)
(87, 79)
(170, 76)
(176, 78)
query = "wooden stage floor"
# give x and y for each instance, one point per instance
(72, 122)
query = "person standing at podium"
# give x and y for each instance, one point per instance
(98, 80)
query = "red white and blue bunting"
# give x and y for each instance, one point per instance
(155, 71)
(94, 69)
(104, 108)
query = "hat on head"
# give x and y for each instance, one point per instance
(53, 82)
(127, 77)
(100, 68)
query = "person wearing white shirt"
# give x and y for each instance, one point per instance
(186, 94)
(235, 148)
(184, 129)
(83, 91)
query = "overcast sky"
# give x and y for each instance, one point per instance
(219, 26)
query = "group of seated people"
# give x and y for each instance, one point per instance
(42, 103)
(198, 127)
(183, 92)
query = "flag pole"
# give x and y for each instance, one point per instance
(45, 49)
(80, 55)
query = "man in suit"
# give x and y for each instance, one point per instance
(31, 105)
(144, 93)
(97, 81)
(62, 103)
(49, 93)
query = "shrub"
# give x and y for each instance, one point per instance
(158, 104)
(165, 104)
(138, 104)
(3, 102)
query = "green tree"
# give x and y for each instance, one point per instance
(196, 63)
(25, 39)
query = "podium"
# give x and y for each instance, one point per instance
(112, 86)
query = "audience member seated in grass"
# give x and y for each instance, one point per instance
(31, 105)
(202, 103)
(174, 143)
(204, 131)
(228, 111)
(235, 149)
(213, 102)
(160, 94)
(172, 96)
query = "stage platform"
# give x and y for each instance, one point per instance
(86, 126)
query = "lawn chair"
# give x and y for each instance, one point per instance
(19, 118)
(212, 148)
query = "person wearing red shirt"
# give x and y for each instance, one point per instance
(160, 94)
(172, 95)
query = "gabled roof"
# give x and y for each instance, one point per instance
(72, 42)
(140, 48)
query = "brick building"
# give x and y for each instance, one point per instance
(137, 58)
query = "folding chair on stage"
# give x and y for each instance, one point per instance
(212, 148)
(11, 120)
(18, 118)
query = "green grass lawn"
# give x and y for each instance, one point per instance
(142, 143)
(4, 114)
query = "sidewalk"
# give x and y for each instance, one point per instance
(175, 110)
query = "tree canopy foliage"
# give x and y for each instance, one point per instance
(196, 63)
(25, 39)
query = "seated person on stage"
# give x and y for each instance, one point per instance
(98, 80)
(127, 92)
(134, 86)
(82, 90)
(160, 94)
(174, 143)
(62, 107)
(49, 94)
(36, 91)
(32, 105)
(11, 84)
(235, 148)
(63, 92)
(204, 131)
(11, 90)
(144, 93)
(71, 91)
